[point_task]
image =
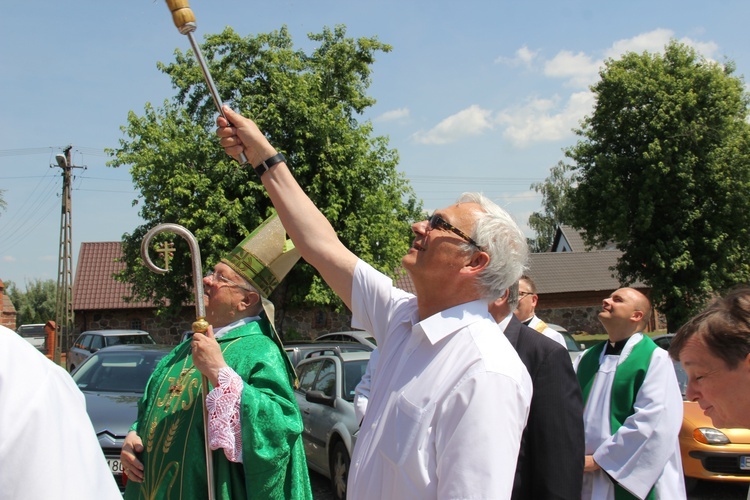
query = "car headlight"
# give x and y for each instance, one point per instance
(709, 435)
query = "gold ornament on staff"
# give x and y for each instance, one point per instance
(184, 20)
(199, 326)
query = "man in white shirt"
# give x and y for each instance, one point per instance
(450, 398)
(632, 408)
(525, 311)
(44, 424)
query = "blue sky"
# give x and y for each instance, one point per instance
(475, 96)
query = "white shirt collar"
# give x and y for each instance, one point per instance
(440, 325)
(231, 326)
(505, 322)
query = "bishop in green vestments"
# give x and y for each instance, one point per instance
(164, 454)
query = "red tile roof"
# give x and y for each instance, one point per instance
(94, 286)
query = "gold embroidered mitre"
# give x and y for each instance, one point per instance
(264, 257)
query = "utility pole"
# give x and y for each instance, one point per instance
(64, 304)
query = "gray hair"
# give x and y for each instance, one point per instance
(498, 235)
(513, 296)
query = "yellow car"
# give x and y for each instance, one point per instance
(707, 452)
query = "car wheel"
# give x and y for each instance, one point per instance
(339, 470)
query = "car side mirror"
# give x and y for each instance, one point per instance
(320, 398)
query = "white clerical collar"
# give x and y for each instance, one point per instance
(231, 326)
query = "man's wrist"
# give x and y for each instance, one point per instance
(266, 164)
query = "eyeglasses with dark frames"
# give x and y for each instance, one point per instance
(437, 222)
(524, 294)
(216, 278)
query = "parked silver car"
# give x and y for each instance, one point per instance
(325, 397)
(113, 380)
(360, 336)
(91, 341)
(299, 350)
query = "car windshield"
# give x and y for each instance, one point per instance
(117, 371)
(570, 343)
(353, 371)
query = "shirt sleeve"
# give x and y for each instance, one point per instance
(224, 423)
(375, 301)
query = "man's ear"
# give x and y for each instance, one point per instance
(477, 263)
(637, 316)
(249, 300)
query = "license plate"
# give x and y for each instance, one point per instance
(745, 462)
(115, 465)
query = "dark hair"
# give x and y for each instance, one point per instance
(724, 327)
(530, 282)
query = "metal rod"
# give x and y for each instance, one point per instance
(200, 325)
(211, 84)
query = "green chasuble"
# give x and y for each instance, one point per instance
(170, 423)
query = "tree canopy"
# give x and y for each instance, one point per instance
(37, 304)
(555, 191)
(309, 107)
(663, 169)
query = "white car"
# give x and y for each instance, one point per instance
(574, 350)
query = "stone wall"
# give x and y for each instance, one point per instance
(308, 324)
(575, 319)
(163, 332)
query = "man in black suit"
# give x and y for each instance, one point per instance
(550, 462)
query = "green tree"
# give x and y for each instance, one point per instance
(664, 169)
(308, 104)
(36, 304)
(555, 206)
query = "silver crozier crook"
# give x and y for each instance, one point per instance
(199, 326)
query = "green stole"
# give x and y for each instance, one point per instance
(629, 376)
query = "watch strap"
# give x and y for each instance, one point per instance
(270, 162)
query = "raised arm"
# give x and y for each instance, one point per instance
(310, 231)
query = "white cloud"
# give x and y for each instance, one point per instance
(468, 122)
(579, 69)
(542, 120)
(523, 57)
(394, 115)
(653, 41)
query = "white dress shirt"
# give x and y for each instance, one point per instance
(448, 404)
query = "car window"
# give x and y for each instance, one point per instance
(353, 372)
(570, 343)
(326, 381)
(97, 342)
(664, 342)
(371, 339)
(306, 374)
(85, 342)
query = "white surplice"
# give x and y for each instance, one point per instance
(645, 451)
(48, 447)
